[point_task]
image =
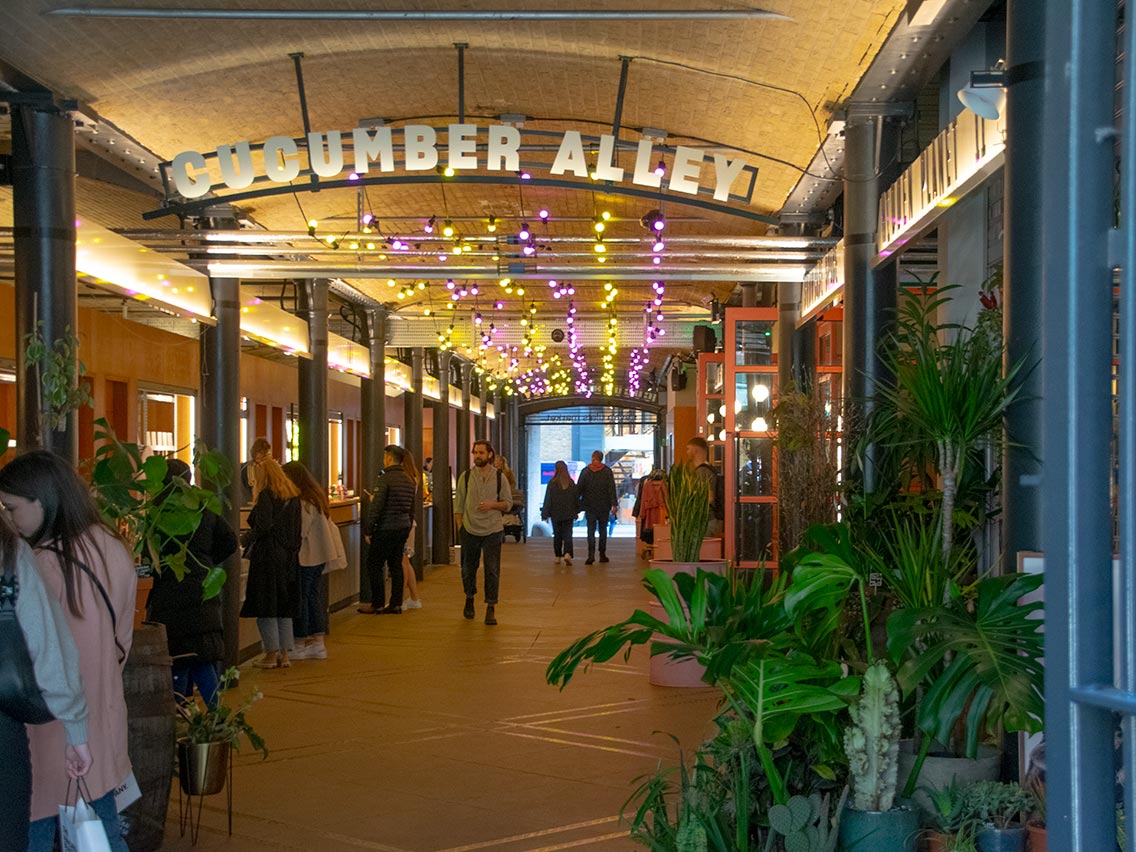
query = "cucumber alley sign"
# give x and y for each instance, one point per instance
(415, 148)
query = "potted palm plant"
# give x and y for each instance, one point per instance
(687, 497)
(207, 735)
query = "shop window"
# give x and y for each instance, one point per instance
(755, 467)
(754, 343)
(167, 424)
(753, 401)
(755, 532)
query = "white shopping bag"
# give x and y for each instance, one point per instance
(80, 829)
(127, 793)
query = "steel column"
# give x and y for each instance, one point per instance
(498, 438)
(412, 403)
(788, 305)
(1076, 177)
(313, 381)
(869, 295)
(43, 219)
(373, 424)
(463, 440)
(482, 428)
(1022, 252)
(443, 537)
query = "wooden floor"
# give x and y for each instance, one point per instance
(426, 732)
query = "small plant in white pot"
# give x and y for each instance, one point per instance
(872, 820)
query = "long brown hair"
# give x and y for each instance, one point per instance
(402, 456)
(69, 512)
(561, 476)
(310, 491)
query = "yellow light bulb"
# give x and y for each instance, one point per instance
(600, 248)
(449, 171)
(606, 215)
(599, 226)
(313, 223)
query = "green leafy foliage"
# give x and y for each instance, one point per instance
(5, 437)
(61, 388)
(995, 803)
(200, 723)
(981, 658)
(688, 511)
(156, 518)
(948, 807)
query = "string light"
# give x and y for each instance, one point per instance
(491, 226)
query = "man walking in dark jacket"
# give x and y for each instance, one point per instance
(598, 500)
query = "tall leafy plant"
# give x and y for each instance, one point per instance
(156, 517)
(948, 400)
(688, 509)
(806, 464)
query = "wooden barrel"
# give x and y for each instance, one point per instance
(151, 713)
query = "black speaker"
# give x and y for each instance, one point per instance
(704, 339)
(678, 379)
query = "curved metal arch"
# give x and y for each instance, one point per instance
(198, 206)
(540, 404)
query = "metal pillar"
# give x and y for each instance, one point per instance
(373, 400)
(412, 403)
(869, 295)
(218, 412)
(464, 442)
(43, 211)
(1076, 178)
(788, 309)
(1022, 309)
(483, 418)
(804, 355)
(443, 537)
(313, 381)
(513, 435)
(498, 421)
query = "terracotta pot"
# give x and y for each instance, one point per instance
(1037, 837)
(143, 592)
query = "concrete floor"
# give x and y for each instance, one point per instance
(426, 732)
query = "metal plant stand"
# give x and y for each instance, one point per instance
(188, 814)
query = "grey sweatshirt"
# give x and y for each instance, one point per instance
(53, 653)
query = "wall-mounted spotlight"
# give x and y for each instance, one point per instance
(985, 94)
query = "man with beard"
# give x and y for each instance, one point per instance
(483, 497)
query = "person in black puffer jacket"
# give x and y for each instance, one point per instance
(194, 630)
(395, 504)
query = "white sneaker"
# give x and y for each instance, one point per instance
(315, 652)
(557, 560)
(411, 604)
(567, 561)
(301, 652)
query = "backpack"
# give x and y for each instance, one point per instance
(718, 504)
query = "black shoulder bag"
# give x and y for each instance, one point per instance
(20, 695)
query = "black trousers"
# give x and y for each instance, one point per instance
(386, 551)
(597, 520)
(562, 537)
(15, 785)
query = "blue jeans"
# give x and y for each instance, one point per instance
(275, 634)
(473, 546)
(41, 835)
(312, 620)
(191, 673)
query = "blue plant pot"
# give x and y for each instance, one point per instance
(896, 830)
(1000, 839)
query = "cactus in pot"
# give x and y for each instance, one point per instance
(872, 742)
(873, 821)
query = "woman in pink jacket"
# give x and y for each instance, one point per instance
(88, 570)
